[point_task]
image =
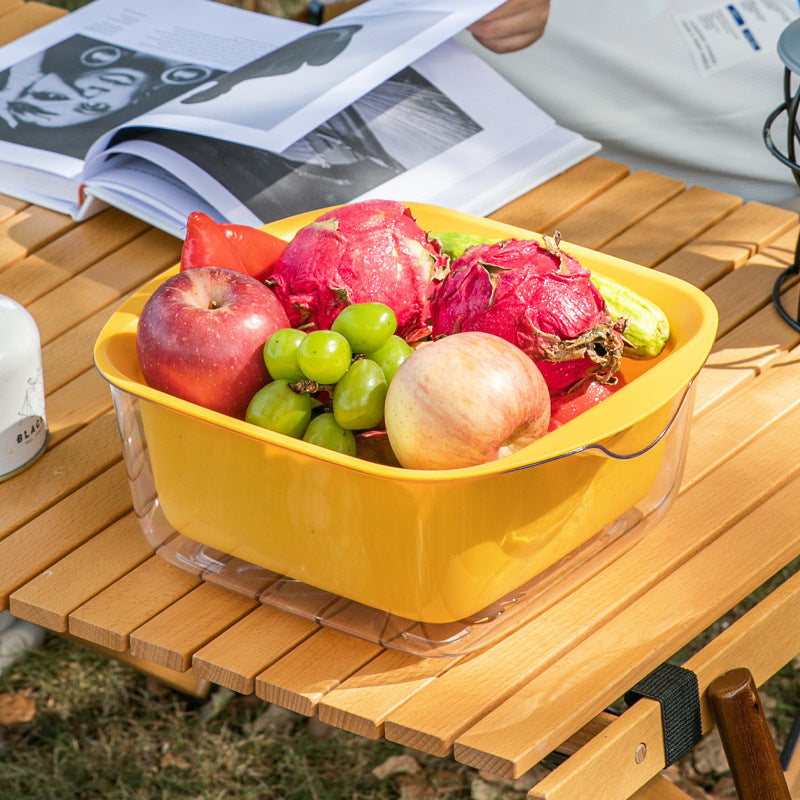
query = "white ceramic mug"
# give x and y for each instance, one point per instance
(23, 423)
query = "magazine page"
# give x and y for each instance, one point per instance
(278, 98)
(446, 130)
(140, 186)
(514, 172)
(65, 84)
(161, 187)
(38, 186)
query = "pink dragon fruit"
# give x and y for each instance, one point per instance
(370, 251)
(540, 299)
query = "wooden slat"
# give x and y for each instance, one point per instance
(514, 736)
(609, 214)
(113, 614)
(729, 244)
(304, 675)
(741, 293)
(57, 531)
(31, 228)
(48, 598)
(24, 18)
(361, 703)
(642, 733)
(543, 207)
(77, 403)
(741, 643)
(9, 5)
(671, 226)
(60, 471)
(173, 636)
(718, 437)
(68, 255)
(70, 355)
(236, 575)
(103, 284)
(10, 205)
(697, 516)
(236, 656)
(744, 353)
(586, 733)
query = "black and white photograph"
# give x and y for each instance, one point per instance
(64, 97)
(315, 49)
(375, 139)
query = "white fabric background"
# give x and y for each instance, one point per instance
(622, 73)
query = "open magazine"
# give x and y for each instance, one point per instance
(165, 108)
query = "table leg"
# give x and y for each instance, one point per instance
(746, 738)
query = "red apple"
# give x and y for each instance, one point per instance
(201, 334)
(463, 400)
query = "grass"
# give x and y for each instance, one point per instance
(102, 730)
(69, 5)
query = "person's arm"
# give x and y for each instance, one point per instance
(512, 26)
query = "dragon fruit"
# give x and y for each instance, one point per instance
(540, 299)
(369, 251)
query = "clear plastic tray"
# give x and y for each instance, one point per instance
(395, 632)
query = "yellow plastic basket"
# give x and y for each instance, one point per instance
(432, 546)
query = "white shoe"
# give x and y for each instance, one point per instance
(6, 620)
(17, 639)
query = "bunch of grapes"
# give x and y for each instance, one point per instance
(329, 384)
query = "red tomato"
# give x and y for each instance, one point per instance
(563, 409)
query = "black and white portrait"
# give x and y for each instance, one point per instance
(66, 96)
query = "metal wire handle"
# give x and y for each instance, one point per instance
(790, 106)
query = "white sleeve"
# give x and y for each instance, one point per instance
(675, 86)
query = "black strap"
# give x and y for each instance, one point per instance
(677, 691)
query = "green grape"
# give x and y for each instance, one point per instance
(325, 431)
(365, 325)
(278, 408)
(324, 356)
(391, 355)
(359, 396)
(280, 354)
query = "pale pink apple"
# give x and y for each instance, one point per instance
(201, 335)
(463, 400)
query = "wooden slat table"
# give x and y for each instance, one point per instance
(73, 559)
